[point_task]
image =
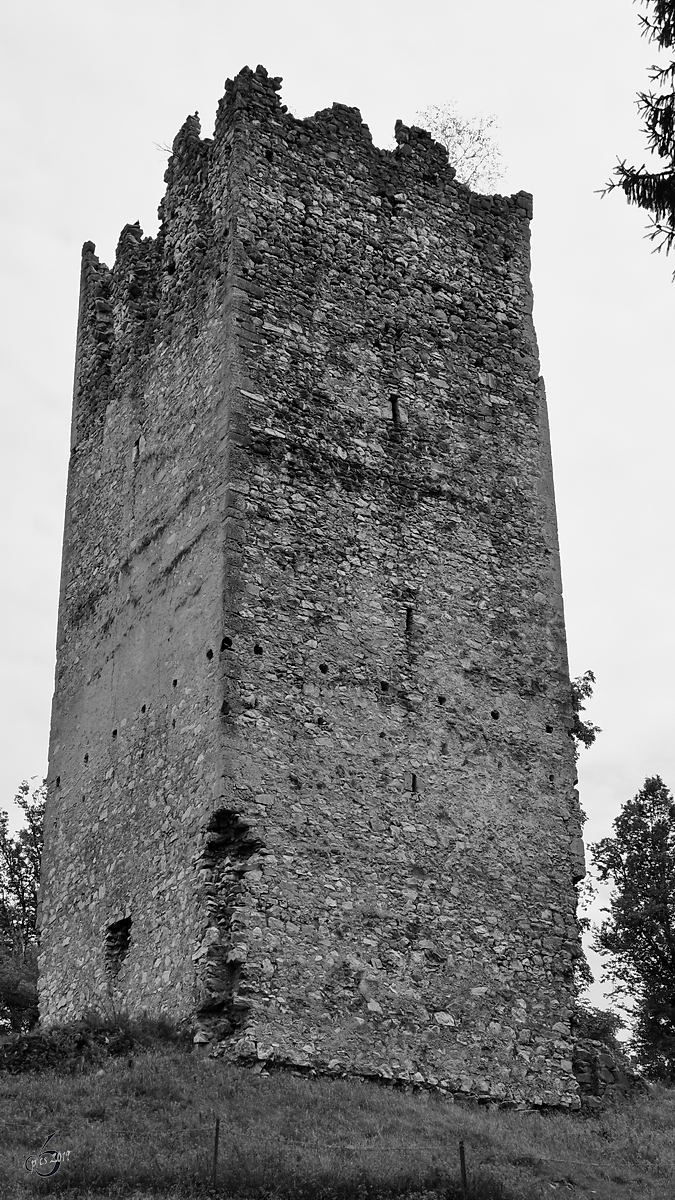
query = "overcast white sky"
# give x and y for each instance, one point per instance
(89, 86)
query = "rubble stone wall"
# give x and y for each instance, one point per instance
(311, 484)
(604, 1075)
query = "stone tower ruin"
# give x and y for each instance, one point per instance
(311, 783)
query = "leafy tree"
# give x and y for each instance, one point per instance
(638, 934)
(469, 141)
(654, 1032)
(20, 858)
(651, 189)
(18, 991)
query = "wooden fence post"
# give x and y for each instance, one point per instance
(215, 1152)
(462, 1167)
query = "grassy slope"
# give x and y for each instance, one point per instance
(145, 1125)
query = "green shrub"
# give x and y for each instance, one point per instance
(598, 1024)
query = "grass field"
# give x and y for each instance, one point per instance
(144, 1126)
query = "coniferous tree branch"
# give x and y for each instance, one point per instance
(649, 189)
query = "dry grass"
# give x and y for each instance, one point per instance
(144, 1127)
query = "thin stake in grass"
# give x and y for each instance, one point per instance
(215, 1152)
(462, 1167)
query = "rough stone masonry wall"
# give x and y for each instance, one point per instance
(134, 756)
(371, 868)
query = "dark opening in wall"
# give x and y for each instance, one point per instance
(549, 729)
(495, 714)
(413, 783)
(143, 708)
(225, 708)
(170, 267)
(395, 412)
(117, 942)
(389, 202)
(441, 699)
(175, 683)
(408, 620)
(58, 781)
(86, 758)
(323, 667)
(257, 649)
(226, 644)
(209, 654)
(114, 733)
(384, 685)
(444, 747)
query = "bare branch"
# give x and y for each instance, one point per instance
(469, 141)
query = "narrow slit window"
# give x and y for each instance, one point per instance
(395, 412)
(117, 942)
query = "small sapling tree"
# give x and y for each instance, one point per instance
(583, 733)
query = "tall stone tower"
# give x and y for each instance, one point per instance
(311, 779)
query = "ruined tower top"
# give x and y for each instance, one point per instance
(311, 780)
